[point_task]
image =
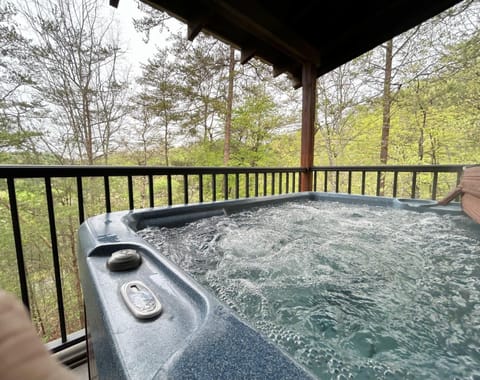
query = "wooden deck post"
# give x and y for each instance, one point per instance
(309, 91)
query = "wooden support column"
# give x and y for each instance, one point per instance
(309, 89)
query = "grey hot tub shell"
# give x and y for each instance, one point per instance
(195, 337)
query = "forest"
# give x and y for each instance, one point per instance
(70, 94)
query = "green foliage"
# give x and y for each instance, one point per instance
(253, 127)
(155, 108)
(199, 154)
(201, 69)
(75, 64)
(15, 106)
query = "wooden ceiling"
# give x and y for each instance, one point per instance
(285, 34)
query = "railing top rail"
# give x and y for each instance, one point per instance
(394, 168)
(41, 171)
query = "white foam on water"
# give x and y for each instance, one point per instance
(350, 291)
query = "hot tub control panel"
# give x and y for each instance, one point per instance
(124, 259)
(140, 300)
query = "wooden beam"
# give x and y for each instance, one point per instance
(295, 78)
(253, 18)
(279, 70)
(196, 25)
(193, 30)
(293, 71)
(247, 54)
(309, 92)
(296, 82)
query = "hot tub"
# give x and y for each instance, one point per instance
(194, 335)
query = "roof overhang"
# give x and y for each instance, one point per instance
(286, 34)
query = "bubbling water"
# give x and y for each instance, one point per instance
(350, 291)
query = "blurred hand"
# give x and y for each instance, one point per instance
(23, 356)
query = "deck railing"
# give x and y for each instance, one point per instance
(419, 181)
(24, 187)
(42, 207)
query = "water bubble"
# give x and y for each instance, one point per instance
(349, 290)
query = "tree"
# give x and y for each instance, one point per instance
(339, 93)
(143, 137)
(411, 57)
(157, 107)
(201, 67)
(16, 104)
(386, 102)
(229, 106)
(78, 76)
(443, 111)
(152, 18)
(253, 126)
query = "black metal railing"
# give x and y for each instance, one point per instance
(436, 180)
(64, 196)
(174, 185)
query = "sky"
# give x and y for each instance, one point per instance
(131, 41)
(137, 50)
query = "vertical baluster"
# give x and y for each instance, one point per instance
(56, 260)
(22, 272)
(414, 184)
(363, 182)
(379, 178)
(214, 188)
(265, 183)
(185, 189)
(225, 186)
(395, 184)
(237, 185)
(434, 186)
(150, 190)
(106, 182)
(349, 189)
(169, 190)
(130, 192)
(200, 188)
(81, 210)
